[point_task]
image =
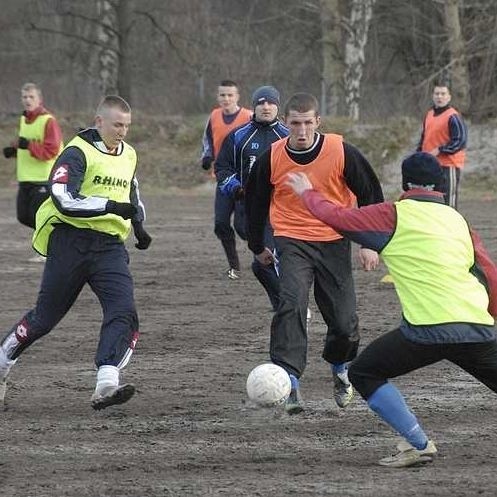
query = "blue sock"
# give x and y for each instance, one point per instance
(390, 405)
(295, 382)
(339, 367)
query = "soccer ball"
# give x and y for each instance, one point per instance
(268, 385)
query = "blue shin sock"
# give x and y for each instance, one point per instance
(294, 381)
(390, 405)
(339, 367)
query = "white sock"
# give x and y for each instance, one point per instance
(107, 376)
(5, 364)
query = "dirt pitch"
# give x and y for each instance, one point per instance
(189, 431)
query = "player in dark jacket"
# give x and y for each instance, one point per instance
(234, 164)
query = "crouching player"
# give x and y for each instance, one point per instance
(447, 287)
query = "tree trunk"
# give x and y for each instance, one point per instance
(460, 79)
(356, 39)
(124, 69)
(332, 56)
(107, 35)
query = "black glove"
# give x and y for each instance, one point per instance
(144, 239)
(239, 193)
(9, 152)
(123, 209)
(23, 143)
(206, 163)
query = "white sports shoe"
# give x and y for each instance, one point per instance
(112, 395)
(233, 274)
(343, 391)
(408, 455)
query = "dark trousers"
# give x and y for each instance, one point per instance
(393, 355)
(268, 275)
(224, 208)
(328, 266)
(29, 198)
(76, 257)
(452, 178)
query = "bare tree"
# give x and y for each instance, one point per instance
(357, 27)
(332, 54)
(460, 77)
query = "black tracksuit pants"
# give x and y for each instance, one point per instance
(327, 265)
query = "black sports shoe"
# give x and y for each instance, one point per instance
(293, 404)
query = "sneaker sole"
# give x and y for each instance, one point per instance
(426, 459)
(294, 409)
(120, 396)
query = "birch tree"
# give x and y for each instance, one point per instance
(357, 27)
(459, 67)
(332, 56)
(108, 39)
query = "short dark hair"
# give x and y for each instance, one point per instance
(442, 83)
(302, 102)
(113, 102)
(228, 82)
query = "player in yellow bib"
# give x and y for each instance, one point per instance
(94, 203)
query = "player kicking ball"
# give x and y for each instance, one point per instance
(447, 287)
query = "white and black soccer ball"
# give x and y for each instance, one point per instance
(268, 385)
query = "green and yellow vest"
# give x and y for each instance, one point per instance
(29, 168)
(439, 258)
(106, 175)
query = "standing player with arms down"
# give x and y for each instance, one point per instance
(309, 251)
(222, 120)
(235, 163)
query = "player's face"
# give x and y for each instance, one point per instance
(302, 126)
(265, 112)
(30, 100)
(227, 98)
(113, 126)
(441, 96)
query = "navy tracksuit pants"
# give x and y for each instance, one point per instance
(76, 257)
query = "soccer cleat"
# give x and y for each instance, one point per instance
(3, 390)
(110, 396)
(342, 389)
(233, 274)
(387, 279)
(408, 455)
(293, 404)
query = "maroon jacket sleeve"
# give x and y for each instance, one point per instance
(50, 146)
(489, 269)
(371, 226)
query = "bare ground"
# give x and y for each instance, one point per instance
(189, 430)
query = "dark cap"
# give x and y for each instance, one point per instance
(266, 94)
(421, 169)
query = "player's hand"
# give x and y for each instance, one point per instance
(266, 257)
(144, 239)
(9, 152)
(123, 209)
(239, 193)
(206, 163)
(369, 259)
(23, 143)
(298, 182)
(435, 152)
